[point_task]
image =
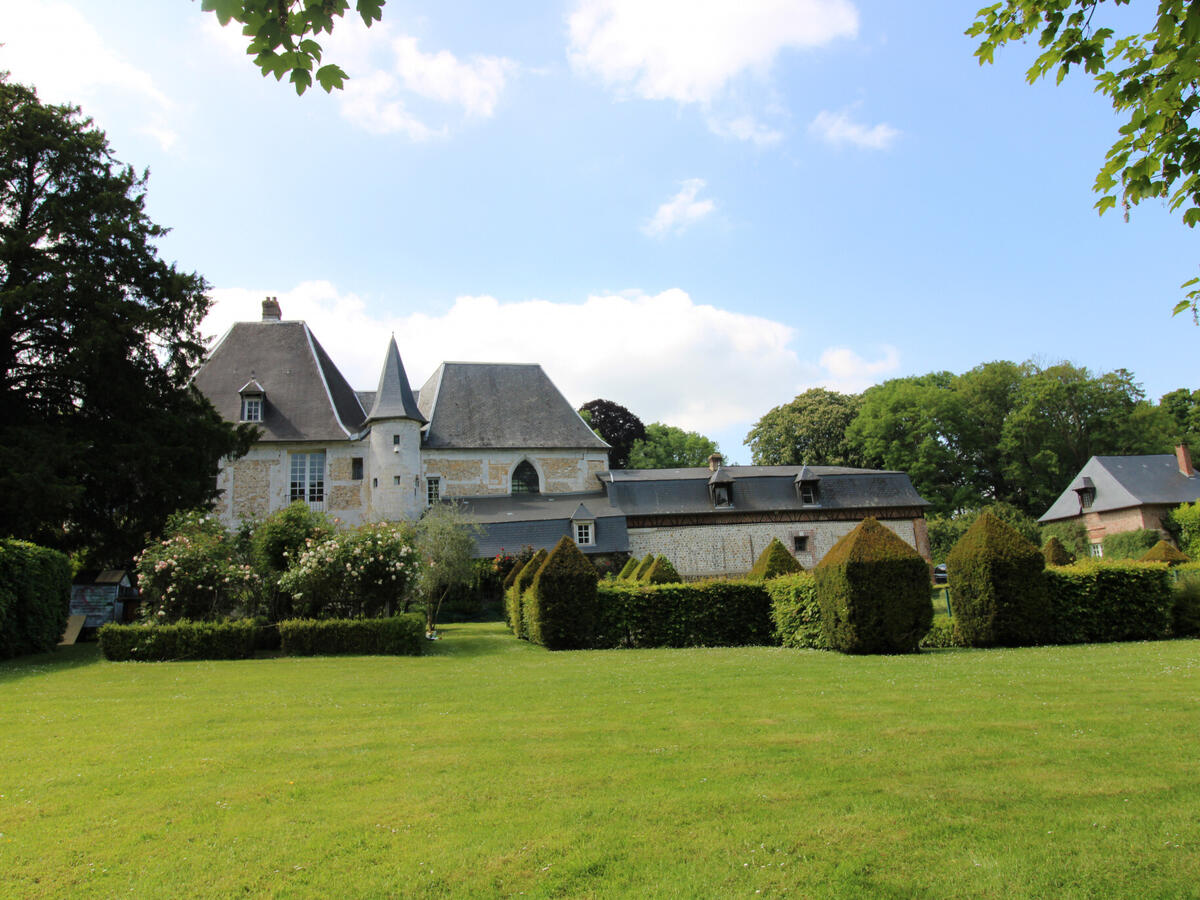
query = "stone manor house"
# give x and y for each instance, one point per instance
(500, 439)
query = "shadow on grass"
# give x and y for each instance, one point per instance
(465, 640)
(72, 657)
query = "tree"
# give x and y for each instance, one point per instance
(1183, 406)
(101, 435)
(281, 34)
(616, 425)
(811, 430)
(1150, 76)
(445, 545)
(668, 447)
(945, 531)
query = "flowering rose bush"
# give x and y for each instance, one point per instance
(363, 572)
(195, 572)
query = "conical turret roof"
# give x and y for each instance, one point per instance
(394, 398)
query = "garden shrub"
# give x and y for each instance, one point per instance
(942, 633)
(1055, 554)
(696, 614)
(515, 600)
(1129, 544)
(643, 567)
(795, 612)
(560, 607)
(1184, 524)
(873, 589)
(1163, 552)
(998, 593)
(661, 572)
(1186, 603)
(945, 531)
(276, 543)
(181, 640)
(630, 566)
(401, 635)
(518, 562)
(1071, 534)
(773, 561)
(35, 598)
(1095, 601)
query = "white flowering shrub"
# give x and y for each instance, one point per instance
(363, 572)
(196, 572)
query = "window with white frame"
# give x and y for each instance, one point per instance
(252, 408)
(307, 477)
(1097, 549)
(433, 490)
(585, 533)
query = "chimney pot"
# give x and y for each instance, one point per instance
(270, 310)
(714, 462)
(1184, 457)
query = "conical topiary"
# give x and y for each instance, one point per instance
(774, 560)
(661, 572)
(514, 599)
(1055, 554)
(1164, 552)
(561, 606)
(873, 590)
(643, 567)
(997, 589)
(628, 569)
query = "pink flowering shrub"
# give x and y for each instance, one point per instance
(196, 572)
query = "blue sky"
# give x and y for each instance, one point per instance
(696, 209)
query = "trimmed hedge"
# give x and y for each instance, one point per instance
(661, 571)
(997, 595)
(639, 573)
(697, 614)
(1055, 554)
(560, 608)
(795, 611)
(401, 635)
(1186, 588)
(1092, 602)
(874, 592)
(35, 598)
(774, 561)
(514, 598)
(942, 633)
(1129, 544)
(629, 568)
(181, 640)
(1164, 552)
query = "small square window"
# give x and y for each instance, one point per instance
(356, 469)
(583, 534)
(252, 409)
(1097, 549)
(396, 480)
(800, 543)
(808, 494)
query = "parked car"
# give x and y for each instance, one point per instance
(939, 574)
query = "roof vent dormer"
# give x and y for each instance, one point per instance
(271, 311)
(808, 487)
(720, 487)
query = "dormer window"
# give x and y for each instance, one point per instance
(253, 401)
(720, 488)
(583, 527)
(808, 487)
(1085, 489)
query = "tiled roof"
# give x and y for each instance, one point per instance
(1122, 482)
(540, 520)
(394, 398)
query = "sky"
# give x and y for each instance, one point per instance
(695, 209)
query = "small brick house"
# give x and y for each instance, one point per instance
(504, 442)
(1112, 494)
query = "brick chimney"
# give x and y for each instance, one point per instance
(271, 311)
(714, 462)
(1184, 457)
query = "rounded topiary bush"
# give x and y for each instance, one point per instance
(560, 608)
(1055, 554)
(774, 561)
(873, 590)
(661, 572)
(1164, 552)
(998, 592)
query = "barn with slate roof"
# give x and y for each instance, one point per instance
(502, 440)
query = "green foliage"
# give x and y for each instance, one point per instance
(507, 566)
(668, 447)
(401, 635)
(1165, 553)
(795, 611)
(616, 426)
(181, 640)
(1096, 601)
(1183, 406)
(810, 430)
(445, 546)
(661, 571)
(277, 542)
(945, 531)
(1149, 74)
(773, 561)
(1071, 534)
(362, 572)
(1055, 554)
(697, 614)
(1184, 520)
(942, 633)
(196, 572)
(1129, 544)
(101, 434)
(873, 589)
(35, 598)
(628, 569)
(998, 593)
(1185, 587)
(515, 596)
(560, 608)
(281, 35)
(639, 574)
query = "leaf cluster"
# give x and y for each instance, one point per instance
(616, 426)
(668, 447)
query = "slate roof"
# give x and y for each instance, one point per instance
(499, 405)
(511, 522)
(307, 399)
(1122, 482)
(394, 398)
(649, 492)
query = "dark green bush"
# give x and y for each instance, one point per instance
(560, 607)
(1071, 534)
(795, 610)
(1055, 554)
(873, 589)
(661, 572)
(402, 635)
(1094, 601)
(945, 531)
(697, 614)
(997, 588)
(180, 640)
(1186, 605)
(629, 568)
(773, 561)
(1129, 544)
(35, 598)
(514, 599)
(1164, 552)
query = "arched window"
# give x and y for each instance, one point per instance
(525, 479)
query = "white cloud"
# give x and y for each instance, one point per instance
(473, 85)
(52, 46)
(691, 50)
(669, 359)
(839, 128)
(373, 103)
(745, 128)
(681, 211)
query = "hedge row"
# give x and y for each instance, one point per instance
(182, 640)
(795, 611)
(698, 614)
(1115, 601)
(401, 635)
(35, 598)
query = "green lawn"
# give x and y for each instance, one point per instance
(496, 768)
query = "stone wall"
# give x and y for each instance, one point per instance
(1114, 521)
(476, 473)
